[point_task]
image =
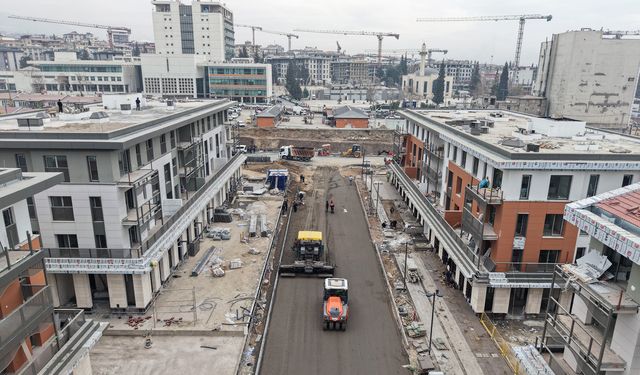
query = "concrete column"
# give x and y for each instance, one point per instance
(464, 286)
(166, 270)
(174, 254)
(457, 276)
(82, 289)
(52, 280)
(565, 298)
(501, 298)
(534, 301)
(83, 367)
(155, 273)
(142, 289)
(478, 297)
(117, 291)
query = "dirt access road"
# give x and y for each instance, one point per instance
(296, 343)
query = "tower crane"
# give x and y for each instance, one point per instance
(521, 18)
(111, 30)
(379, 35)
(430, 51)
(253, 35)
(288, 35)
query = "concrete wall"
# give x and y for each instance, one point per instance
(626, 341)
(352, 123)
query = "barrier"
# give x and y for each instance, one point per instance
(503, 345)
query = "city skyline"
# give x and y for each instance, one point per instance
(492, 42)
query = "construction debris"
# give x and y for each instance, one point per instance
(415, 329)
(202, 263)
(253, 225)
(137, 321)
(221, 215)
(170, 321)
(263, 225)
(235, 264)
(217, 271)
(219, 233)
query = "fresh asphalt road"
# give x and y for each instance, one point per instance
(296, 343)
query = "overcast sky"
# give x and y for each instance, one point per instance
(484, 41)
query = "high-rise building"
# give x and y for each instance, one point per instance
(587, 76)
(491, 191)
(35, 337)
(139, 185)
(202, 28)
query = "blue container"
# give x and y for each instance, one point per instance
(277, 178)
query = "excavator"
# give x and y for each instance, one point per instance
(310, 257)
(335, 309)
(354, 152)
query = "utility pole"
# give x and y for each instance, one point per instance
(433, 311)
(406, 255)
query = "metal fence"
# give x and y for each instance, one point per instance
(503, 346)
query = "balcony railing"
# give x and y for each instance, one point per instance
(478, 229)
(485, 195)
(92, 253)
(23, 321)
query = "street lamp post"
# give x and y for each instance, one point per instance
(377, 195)
(433, 310)
(406, 254)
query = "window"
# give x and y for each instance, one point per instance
(92, 164)
(476, 162)
(124, 162)
(101, 241)
(21, 162)
(455, 153)
(149, 149)
(553, 225)
(580, 252)
(31, 206)
(458, 185)
(61, 208)
(525, 186)
(138, 156)
(627, 179)
(592, 189)
(163, 144)
(521, 225)
(67, 241)
(559, 188)
(463, 163)
(549, 256)
(10, 227)
(172, 135)
(57, 163)
(96, 208)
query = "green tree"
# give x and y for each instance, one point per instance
(135, 51)
(305, 93)
(24, 61)
(84, 55)
(292, 84)
(503, 86)
(403, 65)
(243, 52)
(438, 87)
(474, 86)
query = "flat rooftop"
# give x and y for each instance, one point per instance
(511, 132)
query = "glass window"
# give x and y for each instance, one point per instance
(525, 186)
(96, 208)
(549, 256)
(67, 241)
(592, 189)
(92, 164)
(553, 225)
(173, 139)
(101, 241)
(458, 185)
(61, 208)
(149, 150)
(463, 163)
(476, 162)
(455, 153)
(57, 163)
(21, 162)
(163, 144)
(580, 252)
(31, 206)
(10, 227)
(559, 188)
(521, 225)
(138, 155)
(627, 179)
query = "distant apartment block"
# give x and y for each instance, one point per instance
(592, 323)
(319, 67)
(589, 77)
(138, 189)
(420, 85)
(36, 338)
(491, 189)
(201, 28)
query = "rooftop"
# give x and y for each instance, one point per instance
(272, 111)
(16, 185)
(348, 111)
(103, 128)
(520, 136)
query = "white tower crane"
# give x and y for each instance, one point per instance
(379, 35)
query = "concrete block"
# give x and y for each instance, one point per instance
(534, 301)
(83, 367)
(117, 291)
(478, 297)
(82, 288)
(501, 298)
(164, 263)
(142, 289)
(155, 273)
(53, 286)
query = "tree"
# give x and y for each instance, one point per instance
(305, 93)
(303, 74)
(24, 61)
(474, 86)
(438, 87)
(243, 52)
(84, 55)
(403, 65)
(136, 50)
(503, 86)
(292, 84)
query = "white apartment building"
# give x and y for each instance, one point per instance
(503, 241)
(595, 329)
(138, 188)
(460, 70)
(202, 28)
(319, 67)
(590, 77)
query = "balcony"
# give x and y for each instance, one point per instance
(93, 253)
(136, 178)
(15, 262)
(23, 321)
(484, 196)
(478, 229)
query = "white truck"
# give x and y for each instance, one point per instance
(296, 153)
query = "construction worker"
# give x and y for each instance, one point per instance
(350, 180)
(332, 205)
(285, 205)
(295, 206)
(302, 178)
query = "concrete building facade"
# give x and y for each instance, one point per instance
(347, 117)
(201, 28)
(35, 337)
(319, 67)
(589, 77)
(421, 85)
(502, 238)
(139, 187)
(242, 82)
